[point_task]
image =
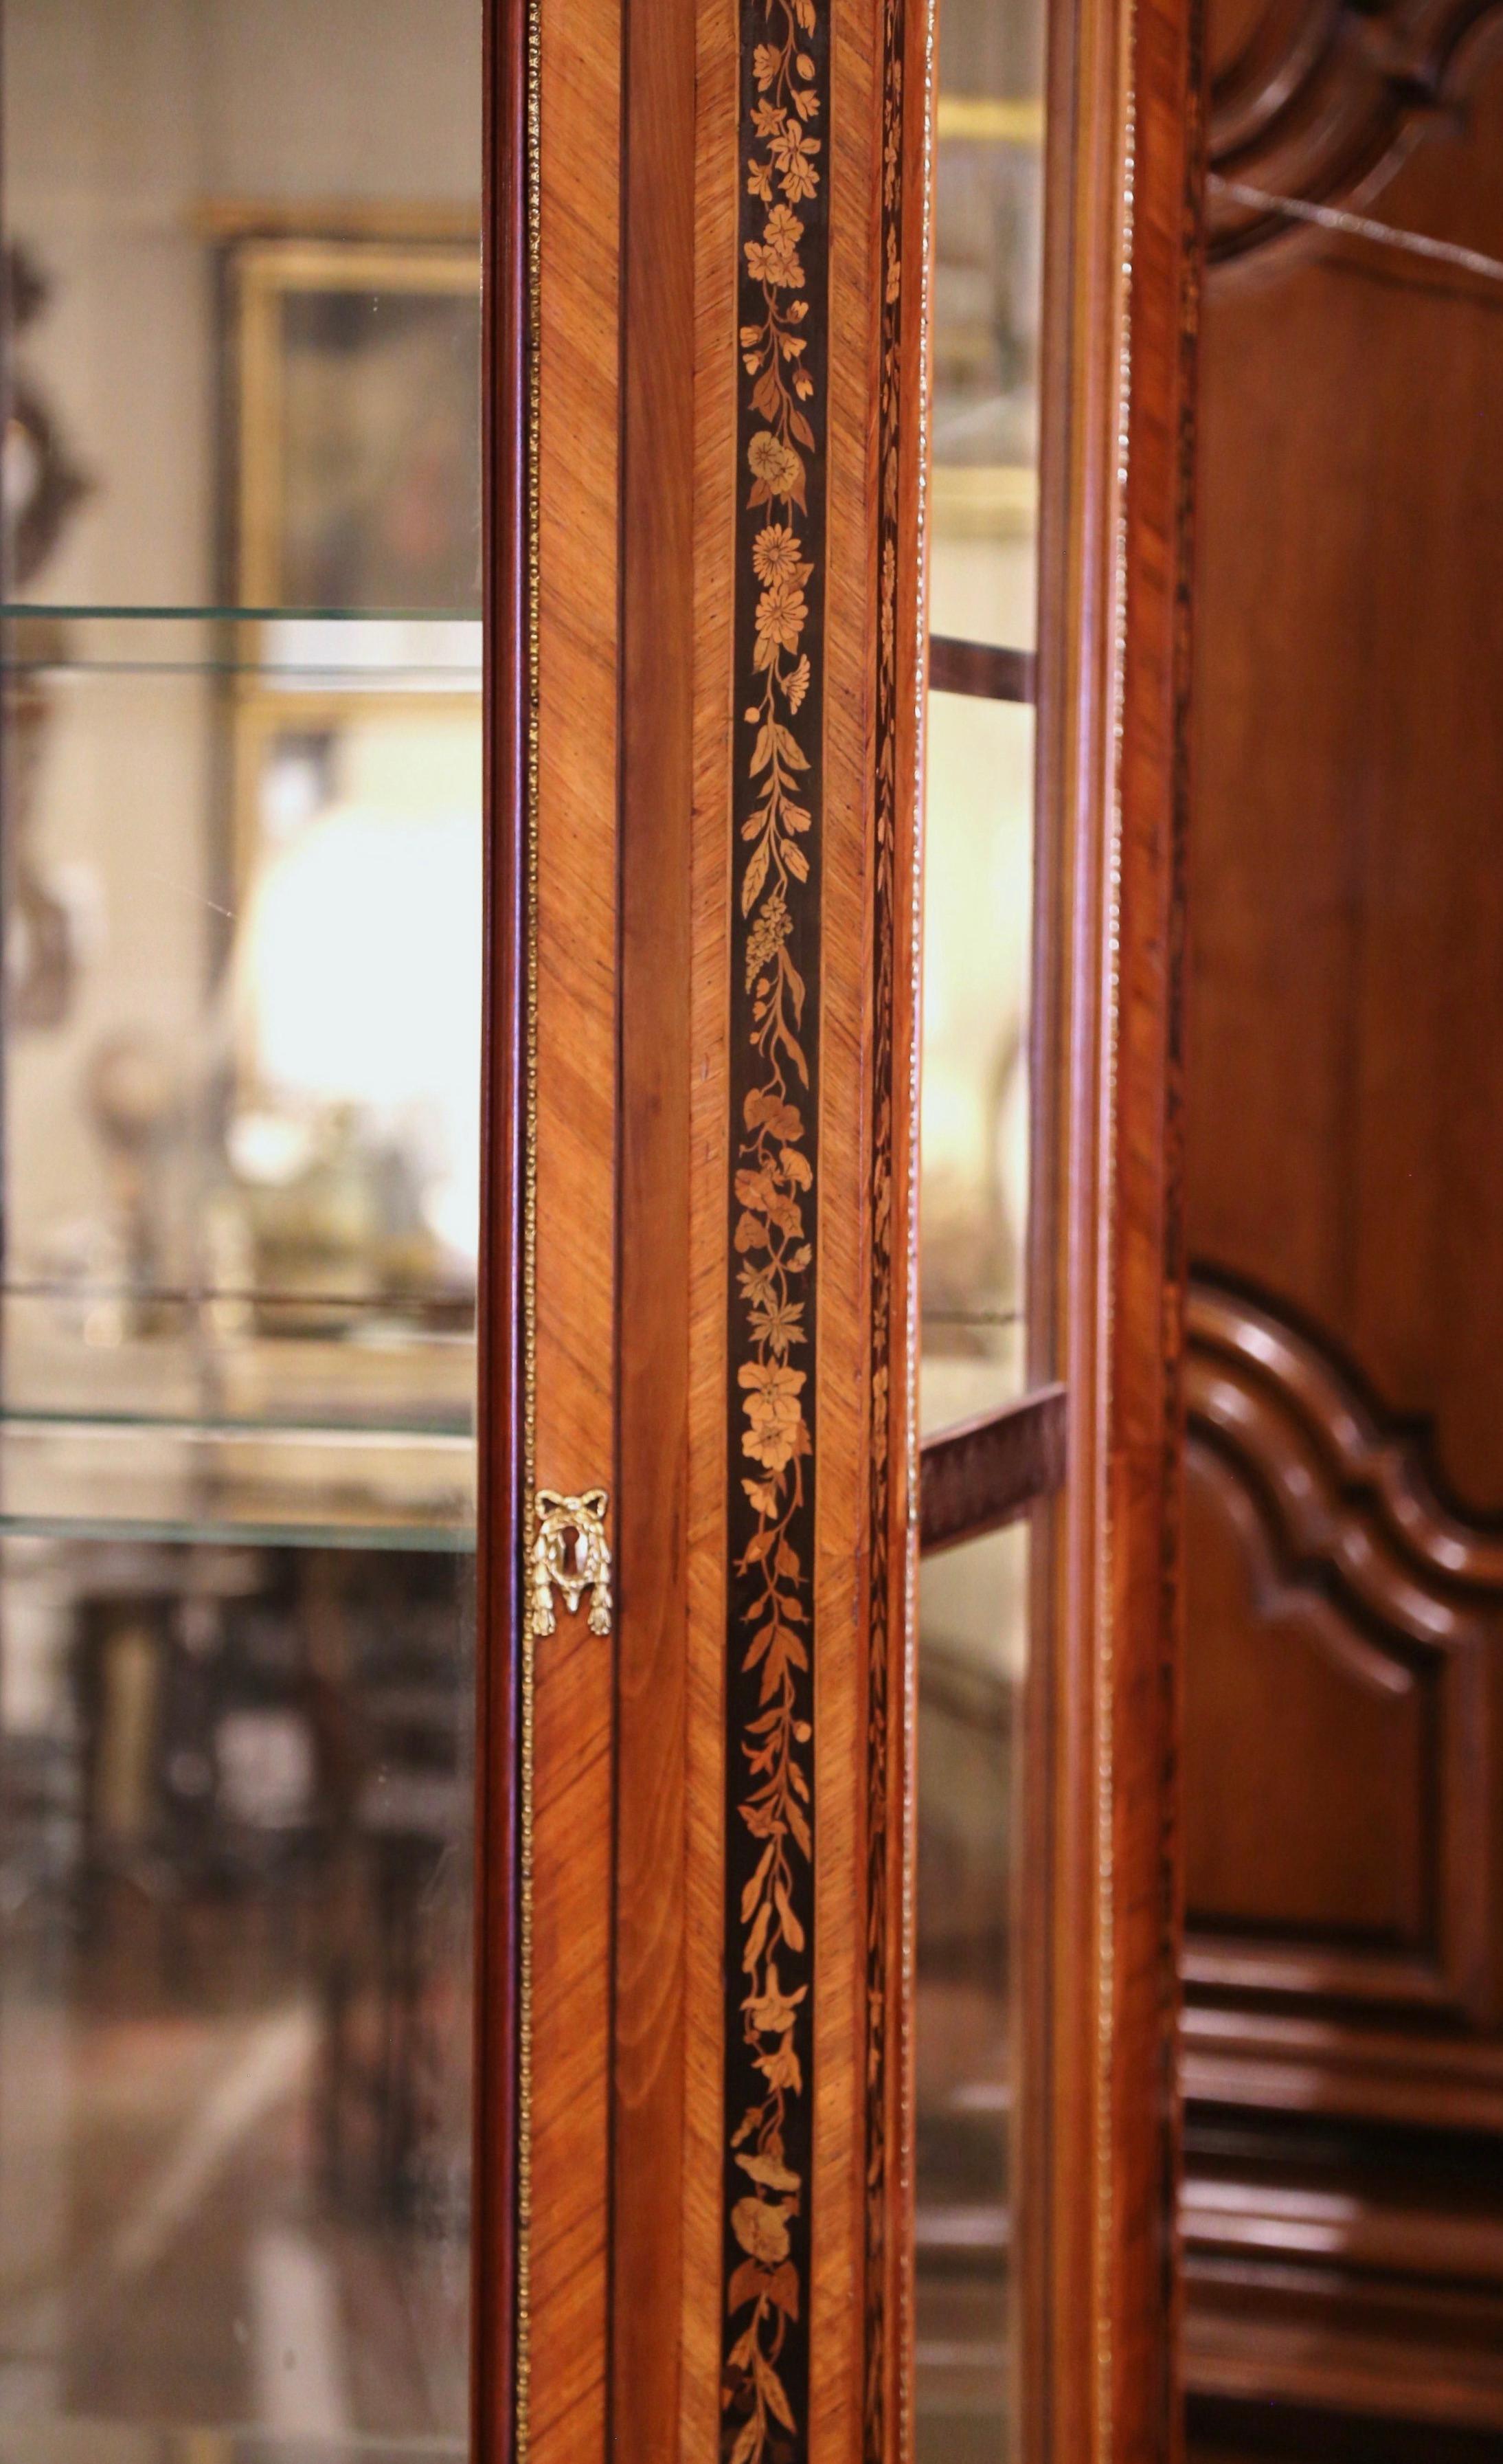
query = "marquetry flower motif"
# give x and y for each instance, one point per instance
(776, 556)
(781, 614)
(773, 1236)
(775, 468)
(761, 2230)
(776, 1433)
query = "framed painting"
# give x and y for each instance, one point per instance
(356, 388)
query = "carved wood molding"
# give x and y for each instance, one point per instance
(1275, 2332)
(1334, 1524)
(1322, 102)
(1250, 1361)
(1287, 2062)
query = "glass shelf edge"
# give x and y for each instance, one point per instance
(420, 1538)
(123, 612)
(189, 1426)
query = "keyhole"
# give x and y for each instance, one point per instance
(578, 1549)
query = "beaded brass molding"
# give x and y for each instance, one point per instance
(886, 925)
(527, 1810)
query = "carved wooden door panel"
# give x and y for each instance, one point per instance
(1342, 2044)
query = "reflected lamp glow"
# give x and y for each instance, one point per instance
(359, 988)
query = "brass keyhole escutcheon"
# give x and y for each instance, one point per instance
(571, 1555)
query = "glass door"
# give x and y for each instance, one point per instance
(242, 783)
(990, 1423)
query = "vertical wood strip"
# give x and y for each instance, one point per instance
(656, 973)
(1095, 2219)
(847, 1127)
(575, 1148)
(1147, 1262)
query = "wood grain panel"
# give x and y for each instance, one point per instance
(1346, 991)
(1431, 2354)
(1097, 2144)
(575, 1241)
(1344, 1193)
(1273, 1675)
(1313, 2063)
(652, 1617)
(892, 1687)
(1305, 107)
(837, 2308)
(1331, 1630)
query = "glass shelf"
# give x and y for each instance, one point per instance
(290, 648)
(90, 1478)
(230, 1424)
(296, 1362)
(103, 2442)
(212, 612)
(403, 1539)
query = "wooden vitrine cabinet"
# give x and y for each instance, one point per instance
(592, 628)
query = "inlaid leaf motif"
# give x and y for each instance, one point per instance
(782, 241)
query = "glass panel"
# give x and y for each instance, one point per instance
(988, 261)
(973, 1649)
(240, 784)
(245, 970)
(979, 793)
(978, 860)
(248, 340)
(974, 1091)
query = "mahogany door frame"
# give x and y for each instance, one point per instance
(1098, 2155)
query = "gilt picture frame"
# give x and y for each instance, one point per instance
(356, 382)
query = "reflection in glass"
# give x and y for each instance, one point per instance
(978, 920)
(979, 789)
(360, 444)
(240, 785)
(987, 275)
(234, 1969)
(975, 1104)
(973, 1648)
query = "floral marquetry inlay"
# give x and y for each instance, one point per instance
(783, 243)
